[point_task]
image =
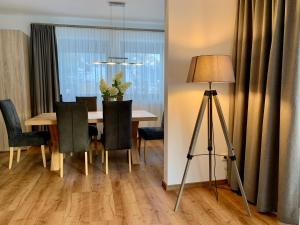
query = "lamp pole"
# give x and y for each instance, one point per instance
(210, 134)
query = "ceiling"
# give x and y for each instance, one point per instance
(136, 10)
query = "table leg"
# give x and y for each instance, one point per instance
(54, 148)
(135, 157)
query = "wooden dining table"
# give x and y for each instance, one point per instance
(49, 119)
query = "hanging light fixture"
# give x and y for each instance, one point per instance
(117, 60)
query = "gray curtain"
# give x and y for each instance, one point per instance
(44, 79)
(266, 120)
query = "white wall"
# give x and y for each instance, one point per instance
(193, 27)
(22, 22)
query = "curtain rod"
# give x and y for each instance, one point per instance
(101, 27)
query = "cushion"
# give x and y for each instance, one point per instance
(35, 138)
(151, 133)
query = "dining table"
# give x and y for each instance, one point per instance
(49, 119)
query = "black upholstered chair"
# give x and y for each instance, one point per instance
(16, 137)
(117, 116)
(91, 103)
(73, 134)
(150, 133)
(60, 100)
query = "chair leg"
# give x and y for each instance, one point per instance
(61, 162)
(43, 155)
(102, 151)
(18, 155)
(86, 163)
(91, 155)
(106, 162)
(11, 157)
(140, 142)
(145, 151)
(129, 160)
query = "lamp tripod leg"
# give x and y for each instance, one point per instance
(192, 148)
(182, 184)
(209, 140)
(210, 169)
(231, 152)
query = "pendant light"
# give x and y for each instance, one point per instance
(112, 59)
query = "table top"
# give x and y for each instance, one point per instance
(93, 117)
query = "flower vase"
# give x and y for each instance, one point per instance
(108, 98)
(119, 98)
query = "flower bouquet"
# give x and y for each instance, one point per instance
(117, 90)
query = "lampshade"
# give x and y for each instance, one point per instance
(211, 68)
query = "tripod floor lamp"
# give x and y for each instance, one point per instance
(211, 69)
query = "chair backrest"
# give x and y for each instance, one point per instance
(162, 125)
(60, 100)
(72, 123)
(117, 124)
(91, 102)
(11, 118)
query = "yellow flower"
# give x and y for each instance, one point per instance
(118, 77)
(113, 91)
(123, 87)
(104, 87)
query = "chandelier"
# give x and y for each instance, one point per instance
(112, 59)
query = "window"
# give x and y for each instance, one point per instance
(78, 48)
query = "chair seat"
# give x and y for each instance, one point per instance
(93, 131)
(151, 133)
(35, 138)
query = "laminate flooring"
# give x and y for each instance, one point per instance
(33, 195)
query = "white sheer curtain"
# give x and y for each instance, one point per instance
(78, 48)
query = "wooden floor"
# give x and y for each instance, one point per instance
(30, 194)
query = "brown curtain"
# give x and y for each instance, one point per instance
(44, 79)
(266, 121)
